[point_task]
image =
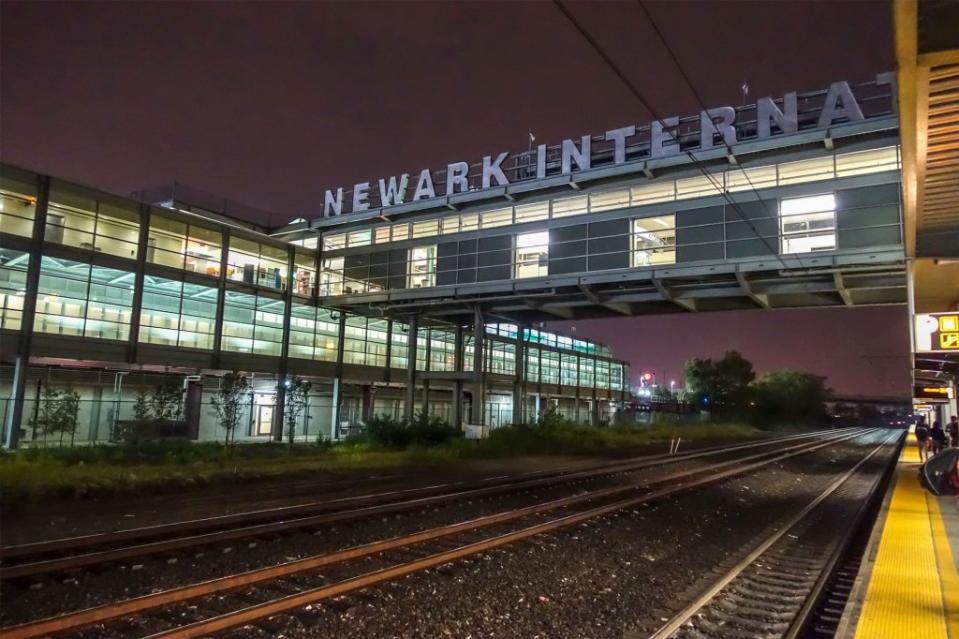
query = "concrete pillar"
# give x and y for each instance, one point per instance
(426, 382)
(19, 388)
(412, 340)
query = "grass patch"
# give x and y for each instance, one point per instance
(36, 474)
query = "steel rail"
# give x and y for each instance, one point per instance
(72, 562)
(152, 601)
(291, 602)
(838, 553)
(687, 613)
(467, 488)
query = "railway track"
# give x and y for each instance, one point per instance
(33, 560)
(783, 586)
(234, 600)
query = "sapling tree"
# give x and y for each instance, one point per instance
(297, 391)
(167, 400)
(228, 402)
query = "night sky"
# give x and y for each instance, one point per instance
(270, 104)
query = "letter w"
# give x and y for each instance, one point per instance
(392, 193)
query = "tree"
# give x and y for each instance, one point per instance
(663, 394)
(297, 391)
(58, 413)
(141, 407)
(228, 400)
(790, 396)
(167, 400)
(721, 386)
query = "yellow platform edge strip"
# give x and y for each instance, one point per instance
(948, 574)
(905, 597)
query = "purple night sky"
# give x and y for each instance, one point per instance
(271, 103)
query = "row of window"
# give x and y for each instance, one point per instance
(731, 180)
(110, 225)
(806, 224)
(92, 301)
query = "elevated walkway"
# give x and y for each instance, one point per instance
(908, 585)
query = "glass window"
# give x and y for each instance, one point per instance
(654, 240)
(422, 267)
(252, 323)
(499, 217)
(313, 333)
(400, 232)
(177, 314)
(747, 179)
(178, 245)
(304, 276)
(253, 263)
(362, 237)
(568, 373)
(364, 343)
(204, 250)
(586, 372)
(118, 229)
(18, 202)
(399, 346)
(426, 228)
(381, 235)
(331, 277)
(808, 223)
(701, 186)
(532, 212)
(71, 217)
(334, 241)
(806, 170)
(83, 300)
(656, 192)
(469, 222)
(872, 161)
(532, 364)
(13, 285)
(450, 224)
(549, 367)
(532, 254)
(571, 206)
(605, 201)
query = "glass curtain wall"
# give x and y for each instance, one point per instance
(188, 247)
(176, 313)
(13, 285)
(79, 299)
(103, 224)
(252, 324)
(18, 202)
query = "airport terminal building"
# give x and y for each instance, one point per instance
(427, 291)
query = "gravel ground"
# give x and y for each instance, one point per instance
(149, 574)
(597, 573)
(613, 575)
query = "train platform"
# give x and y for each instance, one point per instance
(908, 584)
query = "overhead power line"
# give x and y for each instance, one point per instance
(649, 107)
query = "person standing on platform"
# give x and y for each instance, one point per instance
(922, 438)
(953, 430)
(938, 437)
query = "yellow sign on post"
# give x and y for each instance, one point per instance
(937, 332)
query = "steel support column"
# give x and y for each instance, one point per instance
(19, 390)
(519, 380)
(479, 386)
(338, 380)
(279, 409)
(138, 277)
(458, 384)
(412, 343)
(221, 299)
